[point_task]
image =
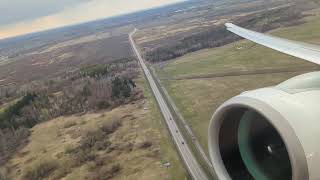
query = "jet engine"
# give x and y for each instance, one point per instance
(271, 133)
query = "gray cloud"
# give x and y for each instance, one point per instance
(37, 15)
(12, 11)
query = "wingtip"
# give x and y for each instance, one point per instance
(229, 25)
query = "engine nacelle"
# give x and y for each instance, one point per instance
(270, 133)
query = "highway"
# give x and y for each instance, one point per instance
(190, 161)
(195, 141)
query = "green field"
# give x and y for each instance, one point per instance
(244, 55)
(197, 98)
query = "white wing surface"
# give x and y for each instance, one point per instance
(304, 51)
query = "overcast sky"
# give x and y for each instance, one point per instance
(24, 16)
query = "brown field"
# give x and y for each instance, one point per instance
(201, 19)
(137, 148)
(64, 57)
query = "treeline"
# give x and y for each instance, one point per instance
(219, 36)
(9, 114)
(92, 87)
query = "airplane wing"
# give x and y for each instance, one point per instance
(301, 50)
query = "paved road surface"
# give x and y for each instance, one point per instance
(189, 131)
(190, 161)
(195, 141)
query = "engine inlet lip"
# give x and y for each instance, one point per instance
(295, 150)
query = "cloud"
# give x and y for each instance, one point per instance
(13, 11)
(85, 11)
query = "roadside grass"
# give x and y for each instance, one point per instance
(197, 99)
(167, 148)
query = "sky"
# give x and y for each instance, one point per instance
(19, 17)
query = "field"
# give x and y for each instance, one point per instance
(74, 105)
(123, 138)
(55, 59)
(203, 26)
(199, 82)
(139, 146)
(195, 19)
(244, 55)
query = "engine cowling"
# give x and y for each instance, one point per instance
(269, 133)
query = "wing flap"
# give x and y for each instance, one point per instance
(304, 51)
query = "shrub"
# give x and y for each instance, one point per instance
(95, 70)
(40, 170)
(94, 140)
(122, 87)
(105, 172)
(69, 149)
(7, 116)
(102, 145)
(91, 139)
(115, 168)
(103, 105)
(110, 126)
(83, 156)
(69, 124)
(100, 162)
(146, 145)
(61, 172)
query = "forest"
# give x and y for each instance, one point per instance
(218, 36)
(90, 88)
